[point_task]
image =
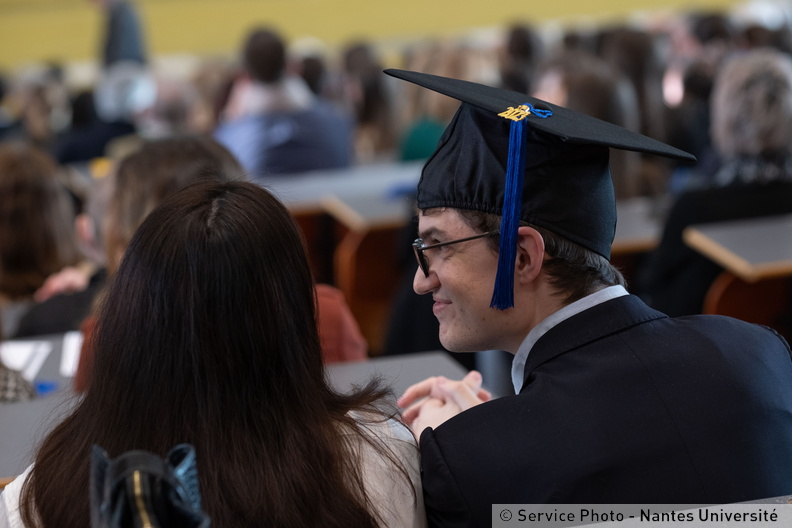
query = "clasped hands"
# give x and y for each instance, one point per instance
(434, 400)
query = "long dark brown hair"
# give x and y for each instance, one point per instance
(208, 335)
(37, 235)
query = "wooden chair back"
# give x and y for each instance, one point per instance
(367, 272)
(767, 302)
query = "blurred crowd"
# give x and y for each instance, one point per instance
(286, 108)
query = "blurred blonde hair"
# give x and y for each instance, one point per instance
(752, 105)
(145, 178)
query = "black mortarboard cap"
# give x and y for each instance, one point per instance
(524, 159)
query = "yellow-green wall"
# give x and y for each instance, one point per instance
(68, 30)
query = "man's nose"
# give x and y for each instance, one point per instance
(423, 284)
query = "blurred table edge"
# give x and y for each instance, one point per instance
(729, 244)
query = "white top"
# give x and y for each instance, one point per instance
(9, 502)
(387, 489)
(589, 301)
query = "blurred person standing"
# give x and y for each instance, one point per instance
(123, 38)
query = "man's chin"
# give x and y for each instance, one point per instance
(453, 344)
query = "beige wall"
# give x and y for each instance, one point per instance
(68, 30)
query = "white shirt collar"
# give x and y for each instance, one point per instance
(518, 365)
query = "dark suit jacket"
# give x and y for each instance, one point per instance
(676, 277)
(278, 143)
(623, 405)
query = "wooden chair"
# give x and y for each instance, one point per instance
(319, 231)
(5, 482)
(366, 271)
(767, 302)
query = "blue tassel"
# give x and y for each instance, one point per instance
(503, 295)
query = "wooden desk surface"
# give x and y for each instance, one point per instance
(365, 213)
(399, 372)
(753, 249)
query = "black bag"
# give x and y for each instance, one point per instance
(140, 490)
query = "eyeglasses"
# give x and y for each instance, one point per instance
(419, 248)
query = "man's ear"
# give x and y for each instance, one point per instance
(530, 254)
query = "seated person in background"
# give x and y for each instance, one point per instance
(365, 91)
(88, 135)
(36, 227)
(583, 82)
(66, 297)
(752, 133)
(614, 402)
(208, 336)
(143, 180)
(425, 115)
(273, 122)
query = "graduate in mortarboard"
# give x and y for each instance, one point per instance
(615, 402)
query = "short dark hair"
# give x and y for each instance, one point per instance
(573, 270)
(264, 55)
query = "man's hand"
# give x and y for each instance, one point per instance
(434, 400)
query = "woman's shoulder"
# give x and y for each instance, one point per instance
(388, 430)
(392, 473)
(9, 502)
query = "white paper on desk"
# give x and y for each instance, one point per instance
(25, 356)
(70, 353)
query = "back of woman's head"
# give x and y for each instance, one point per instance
(213, 301)
(36, 220)
(154, 172)
(752, 105)
(208, 336)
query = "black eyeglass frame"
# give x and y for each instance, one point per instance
(419, 248)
